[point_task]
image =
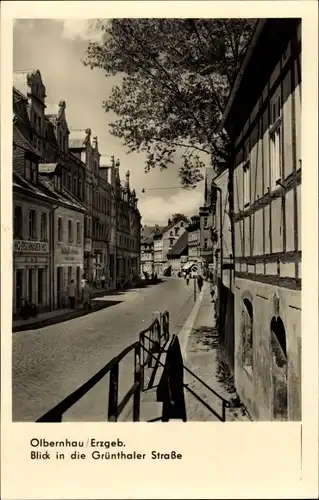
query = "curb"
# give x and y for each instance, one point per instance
(56, 319)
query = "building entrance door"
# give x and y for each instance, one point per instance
(19, 289)
(59, 274)
(30, 285)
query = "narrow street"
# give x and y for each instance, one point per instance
(51, 362)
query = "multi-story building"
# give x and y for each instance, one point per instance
(147, 250)
(147, 247)
(194, 240)
(263, 121)
(128, 224)
(33, 208)
(164, 241)
(44, 137)
(206, 223)
(178, 255)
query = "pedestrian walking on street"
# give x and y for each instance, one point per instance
(200, 282)
(87, 295)
(71, 293)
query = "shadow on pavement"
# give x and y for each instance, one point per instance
(122, 291)
(77, 313)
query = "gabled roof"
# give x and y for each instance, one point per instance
(148, 233)
(38, 190)
(55, 110)
(20, 146)
(21, 79)
(180, 245)
(164, 229)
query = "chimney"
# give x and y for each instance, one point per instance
(62, 104)
(127, 180)
(113, 173)
(117, 168)
(168, 222)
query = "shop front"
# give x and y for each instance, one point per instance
(68, 266)
(31, 278)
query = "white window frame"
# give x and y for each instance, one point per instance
(32, 226)
(60, 220)
(44, 227)
(275, 140)
(78, 232)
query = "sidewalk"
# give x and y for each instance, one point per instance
(58, 315)
(202, 356)
(65, 314)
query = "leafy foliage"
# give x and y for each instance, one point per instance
(176, 75)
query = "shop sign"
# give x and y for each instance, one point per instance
(30, 246)
(69, 250)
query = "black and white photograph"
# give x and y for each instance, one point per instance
(156, 220)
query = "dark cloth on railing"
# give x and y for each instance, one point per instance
(170, 389)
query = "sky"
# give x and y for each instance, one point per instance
(56, 47)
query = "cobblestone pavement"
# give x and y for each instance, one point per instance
(49, 363)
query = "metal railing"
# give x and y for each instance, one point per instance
(225, 403)
(158, 336)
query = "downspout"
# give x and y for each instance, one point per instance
(52, 245)
(221, 246)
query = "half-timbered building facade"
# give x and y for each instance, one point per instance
(263, 120)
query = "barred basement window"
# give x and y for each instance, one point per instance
(275, 134)
(247, 334)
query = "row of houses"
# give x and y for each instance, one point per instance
(73, 217)
(254, 203)
(178, 246)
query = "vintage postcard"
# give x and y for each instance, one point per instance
(159, 249)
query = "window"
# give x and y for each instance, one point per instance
(247, 334)
(275, 140)
(60, 229)
(69, 273)
(70, 231)
(32, 225)
(246, 171)
(182, 224)
(205, 222)
(80, 189)
(176, 231)
(27, 169)
(69, 181)
(171, 241)
(17, 231)
(43, 226)
(78, 233)
(75, 186)
(39, 123)
(205, 243)
(57, 183)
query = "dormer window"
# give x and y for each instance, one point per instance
(31, 171)
(58, 182)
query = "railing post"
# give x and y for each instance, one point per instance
(157, 316)
(166, 326)
(113, 393)
(137, 378)
(224, 412)
(142, 360)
